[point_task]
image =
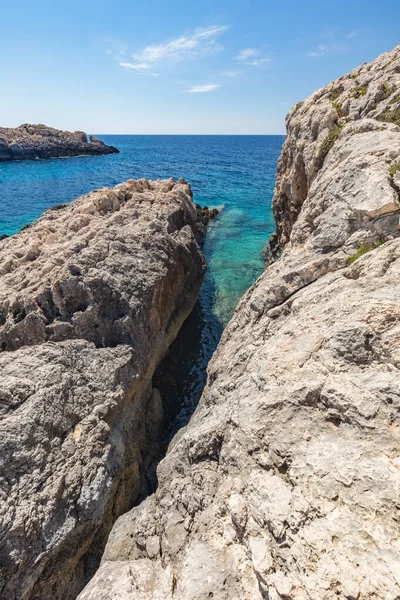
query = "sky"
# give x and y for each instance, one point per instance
(179, 66)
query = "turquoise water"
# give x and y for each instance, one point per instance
(234, 173)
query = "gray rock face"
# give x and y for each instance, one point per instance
(91, 297)
(358, 103)
(40, 141)
(285, 484)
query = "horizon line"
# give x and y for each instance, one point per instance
(200, 134)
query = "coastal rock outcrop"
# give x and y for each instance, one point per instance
(285, 484)
(40, 141)
(91, 296)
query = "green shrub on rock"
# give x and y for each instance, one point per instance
(395, 99)
(393, 169)
(326, 145)
(335, 93)
(338, 107)
(362, 249)
(359, 90)
(298, 106)
(386, 91)
(390, 116)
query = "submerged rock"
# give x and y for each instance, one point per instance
(40, 141)
(205, 215)
(285, 484)
(91, 297)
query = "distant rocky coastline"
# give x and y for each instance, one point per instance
(40, 141)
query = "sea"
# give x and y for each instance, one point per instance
(235, 174)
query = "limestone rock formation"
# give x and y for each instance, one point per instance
(40, 141)
(285, 484)
(91, 296)
(361, 102)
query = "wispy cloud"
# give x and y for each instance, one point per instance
(352, 34)
(322, 50)
(138, 68)
(257, 62)
(230, 73)
(189, 45)
(247, 53)
(199, 89)
(135, 66)
(251, 56)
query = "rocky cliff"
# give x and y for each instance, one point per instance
(39, 141)
(285, 484)
(91, 296)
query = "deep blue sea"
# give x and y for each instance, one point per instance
(233, 173)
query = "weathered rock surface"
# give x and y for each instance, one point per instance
(40, 141)
(285, 484)
(358, 103)
(91, 296)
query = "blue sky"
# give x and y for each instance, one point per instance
(178, 66)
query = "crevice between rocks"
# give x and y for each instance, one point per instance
(178, 381)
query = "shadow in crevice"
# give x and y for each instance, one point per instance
(182, 374)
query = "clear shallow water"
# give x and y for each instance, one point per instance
(233, 172)
(237, 172)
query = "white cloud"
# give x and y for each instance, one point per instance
(200, 41)
(135, 66)
(197, 89)
(259, 61)
(247, 53)
(251, 56)
(138, 68)
(352, 34)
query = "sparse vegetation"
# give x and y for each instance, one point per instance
(355, 75)
(359, 90)
(386, 91)
(390, 116)
(372, 107)
(335, 93)
(338, 107)
(393, 169)
(327, 144)
(298, 106)
(395, 99)
(362, 249)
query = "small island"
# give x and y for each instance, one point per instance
(40, 141)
